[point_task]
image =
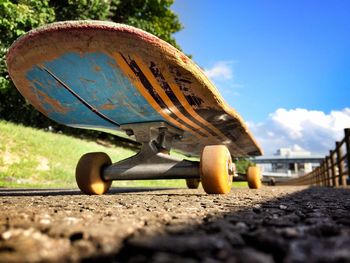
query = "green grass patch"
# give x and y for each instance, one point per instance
(36, 158)
(240, 184)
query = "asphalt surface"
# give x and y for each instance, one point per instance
(273, 224)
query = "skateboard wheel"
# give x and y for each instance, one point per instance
(88, 173)
(254, 177)
(193, 183)
(215, 174)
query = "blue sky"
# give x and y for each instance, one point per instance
(276, 60)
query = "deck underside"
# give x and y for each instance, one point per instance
(103, 75)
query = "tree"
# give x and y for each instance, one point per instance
(153, 16)
(81, 9)
(18, 17)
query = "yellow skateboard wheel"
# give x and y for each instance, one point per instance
(215, 169)
(193, 183)
(254, 177)
(88, 173)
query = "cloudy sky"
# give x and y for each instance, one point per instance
(283, 65)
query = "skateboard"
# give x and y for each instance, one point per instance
(117, 78)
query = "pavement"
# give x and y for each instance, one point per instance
(272, 224)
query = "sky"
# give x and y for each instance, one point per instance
(283, 65)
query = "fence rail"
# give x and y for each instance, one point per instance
(333, 170)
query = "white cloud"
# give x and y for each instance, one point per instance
(312, 130)
(222, 75)
(220, 70)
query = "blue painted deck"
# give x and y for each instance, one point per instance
(97, 79)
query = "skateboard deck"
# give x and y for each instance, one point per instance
(101, 75)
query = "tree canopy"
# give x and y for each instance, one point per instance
(18, 17)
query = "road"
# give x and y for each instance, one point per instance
(273, 224)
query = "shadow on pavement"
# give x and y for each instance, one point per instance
(312, 225)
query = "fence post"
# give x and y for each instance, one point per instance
(326, 160)
(335, 181)
(324, 175)
(314, 177)
(318, 174)
(342, 179)
(347, 143)
(318, 177)
(326, 172)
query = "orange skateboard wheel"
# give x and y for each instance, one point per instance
(88, 173)
(254, 177)
(215, 169)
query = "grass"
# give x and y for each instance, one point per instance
(40, 159)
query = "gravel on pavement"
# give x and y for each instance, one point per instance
(272, 224)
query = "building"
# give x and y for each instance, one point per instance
(288, 163)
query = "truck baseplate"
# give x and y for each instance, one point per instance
(153, 161)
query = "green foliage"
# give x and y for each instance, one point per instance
(243, 164)
(81, 9)
(153, 16)
(18, 17)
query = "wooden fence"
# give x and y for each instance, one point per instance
(333, 171)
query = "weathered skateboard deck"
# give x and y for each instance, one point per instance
(101, 75)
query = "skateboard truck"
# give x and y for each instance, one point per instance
(95, 171)
(153, 161)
